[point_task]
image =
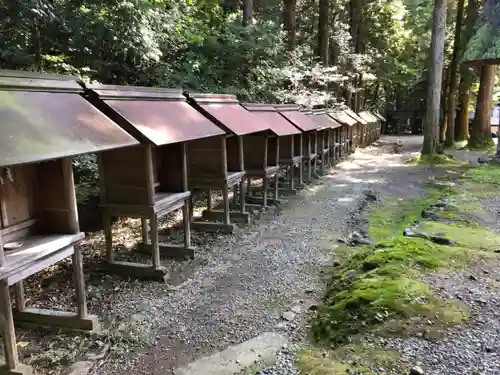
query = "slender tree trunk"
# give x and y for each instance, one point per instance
(452, 84)
(247, 12)
(481, 126)
(323, 31)
(37, 47)
(431, 124)
(290, 22)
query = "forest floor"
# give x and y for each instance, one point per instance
(270, 277)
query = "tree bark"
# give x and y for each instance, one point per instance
(452, 84)
(323, 31)
(247, 12)
(431, 124)
(462, 120)
(466, 75)
(290, 22)
(481, 126)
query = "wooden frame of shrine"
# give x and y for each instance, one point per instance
(347, 135)
(325, 138)
(241, 126)
(289, 157)
(150, 180)
(45, 121)
(361, 128)
(309, 132)
(373, 125)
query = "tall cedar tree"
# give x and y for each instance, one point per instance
(466, 76)
(480, 136)
(290, 22)
(323, 30)
(431, 124)
(452, 83)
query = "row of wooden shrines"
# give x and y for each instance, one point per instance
(155, 146)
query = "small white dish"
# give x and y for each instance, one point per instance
(12, 245)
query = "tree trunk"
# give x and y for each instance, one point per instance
(466, 75)
(431, 124)
(290, 22)
(247, 12)
(452, 84)
(323, 31)
(481, 130)
(37, 47)
(462, 120)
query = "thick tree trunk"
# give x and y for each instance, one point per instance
(462, 120)
(290, 22)
(452, 84)
(247, 12)
(431, 124)
(481, 126)
(323, 31)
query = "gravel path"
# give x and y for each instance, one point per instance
(241, 284)
(252, 277)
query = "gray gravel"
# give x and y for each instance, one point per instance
(244, 282)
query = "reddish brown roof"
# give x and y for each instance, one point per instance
(299, 119)
(322, 118)
(279, 125)
(153, 115)
(380, 117)
(355, 116)
(226, 111)
(45, 119)
(343, 118)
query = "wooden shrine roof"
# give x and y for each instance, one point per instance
(46, 117)
(355, 116)
(343, 118)
(368, 117)
(226, 111)
(152, 115)
(321, 117)
(292, 113)
(279, 125)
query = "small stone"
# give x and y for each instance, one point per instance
(80, 368)
(137, 318)
(313, 308)
(288, 316)
(417, 370)
(472, 277)
(296, 309)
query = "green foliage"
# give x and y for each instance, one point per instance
(380, 287)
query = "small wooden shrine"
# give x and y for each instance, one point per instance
(326, 136)
(361, 128)
(245, 139)
(289, 156)
(148, 181)
(45, 121)
(309, 131)
(373, 125)
(347, 136)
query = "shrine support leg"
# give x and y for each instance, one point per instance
(79, 280)
(9, 334)
(186, 216)
(242, 196)
(276, 182)
(108, 236)
(265, 182)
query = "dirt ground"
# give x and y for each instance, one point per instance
(239, 285)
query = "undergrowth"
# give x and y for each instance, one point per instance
(380, 288)
(437, 160)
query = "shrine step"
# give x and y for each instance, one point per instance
(56, 318)
(19, 370)
(209, 226)
(168, 251)
(138, 271)
(260, 350)
(218, 215)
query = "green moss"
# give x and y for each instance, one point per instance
(391, 217)
(436, 159)
(480, 142)
(484, 174)
(359, 358)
